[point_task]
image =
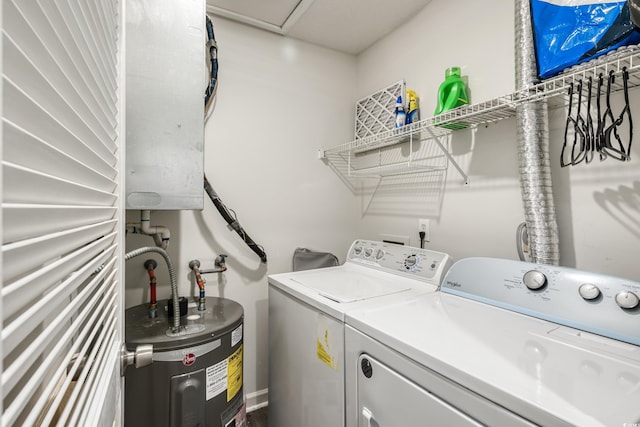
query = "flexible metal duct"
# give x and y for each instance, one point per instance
(532, 123)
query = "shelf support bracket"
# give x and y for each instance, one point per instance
(373, 194)
(436, 139)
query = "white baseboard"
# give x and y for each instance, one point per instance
(258, 399)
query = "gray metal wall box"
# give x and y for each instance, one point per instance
(166, 76)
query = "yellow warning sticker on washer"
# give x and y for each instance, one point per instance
(324, 356)
(234, 373)
(324, 347)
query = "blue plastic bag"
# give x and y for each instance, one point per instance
(568, 32)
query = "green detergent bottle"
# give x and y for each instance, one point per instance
(452, 94)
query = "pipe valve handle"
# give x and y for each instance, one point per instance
(150, 264)
(220, 260)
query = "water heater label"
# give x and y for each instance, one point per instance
(236, 336)
(234, 363)
(216, 379)
(225, 375)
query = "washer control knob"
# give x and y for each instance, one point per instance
(627, 300)
(368, 252)
(358, 250)
(411, 262)
(589, 291)
(534, 280)
(379, 254)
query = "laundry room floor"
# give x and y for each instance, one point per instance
(257, 418)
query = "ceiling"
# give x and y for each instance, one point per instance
(349, 26)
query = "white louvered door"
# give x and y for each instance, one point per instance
(62, 250)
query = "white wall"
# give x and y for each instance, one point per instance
(279, 101)
(598, 205)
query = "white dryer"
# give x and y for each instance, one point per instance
(503, 343)
(306, 324)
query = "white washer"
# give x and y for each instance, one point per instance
(306, 324)
(502, 343)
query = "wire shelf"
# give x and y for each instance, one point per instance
(347, 158)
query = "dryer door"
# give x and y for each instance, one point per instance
(388, 399)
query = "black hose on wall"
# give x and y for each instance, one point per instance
(209, 95)
(232, 221)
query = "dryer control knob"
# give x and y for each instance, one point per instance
(627, 300)
(379, 254)
(534, 280)
(589, 291)
(358, 250)
(368, 252)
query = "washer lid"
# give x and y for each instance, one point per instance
(350, 286)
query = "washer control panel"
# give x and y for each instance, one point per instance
(604, 305)
(418, 263)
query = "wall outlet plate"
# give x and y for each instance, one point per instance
(423, 226)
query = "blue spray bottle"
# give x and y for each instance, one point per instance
(401, 116)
